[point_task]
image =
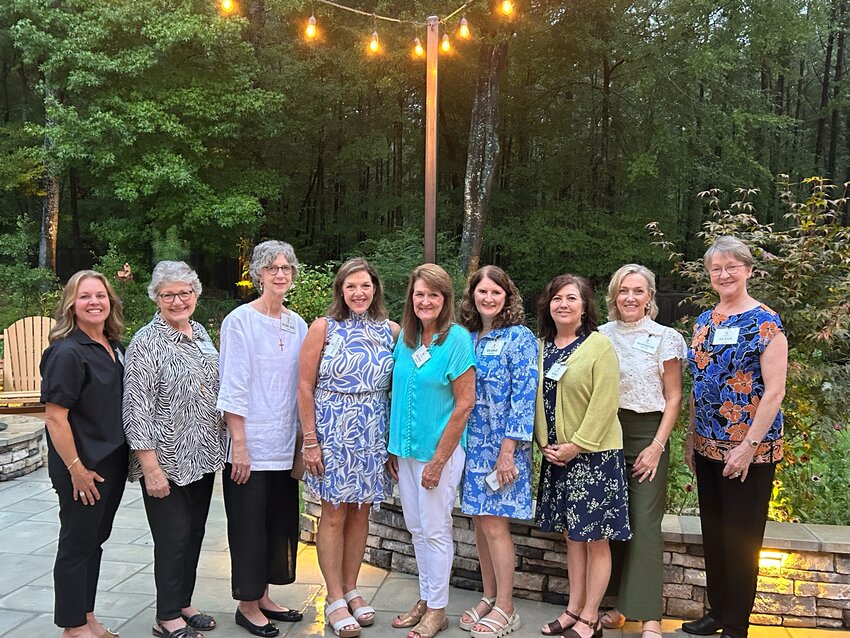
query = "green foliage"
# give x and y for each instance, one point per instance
(311, 292)
(24, 287)
(169, 246)
(802, 270)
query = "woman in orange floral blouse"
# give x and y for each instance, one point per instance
(738, 357)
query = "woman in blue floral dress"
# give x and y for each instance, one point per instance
(739, 359)
(498, 439)
(344, 378)
(582, 491)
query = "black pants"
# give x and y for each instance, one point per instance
(262, 531)
(82, 531)
(177, 525)
(733, 516)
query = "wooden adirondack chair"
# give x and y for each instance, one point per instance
(23, 344)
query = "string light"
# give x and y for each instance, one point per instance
(227, 6)
(418, 51)
(374, 47)
(463, 31)
(507, 7)
(445, 45)
(311, 31)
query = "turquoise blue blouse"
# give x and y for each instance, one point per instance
(422, 398)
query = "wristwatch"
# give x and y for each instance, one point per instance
(753, 443)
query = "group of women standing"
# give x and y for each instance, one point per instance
(468, 398)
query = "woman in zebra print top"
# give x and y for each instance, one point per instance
(177, 436)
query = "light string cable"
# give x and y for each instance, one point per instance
(376, 16)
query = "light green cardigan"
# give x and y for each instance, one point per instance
(587, 400)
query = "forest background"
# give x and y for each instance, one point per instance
(132, 131)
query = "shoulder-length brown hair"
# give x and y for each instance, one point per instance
(338, 309)
(512, 313)
(66, 320)
(590, 316)
(438, 280)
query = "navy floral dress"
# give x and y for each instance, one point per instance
(587, 498)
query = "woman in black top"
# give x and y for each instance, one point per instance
(82, 381)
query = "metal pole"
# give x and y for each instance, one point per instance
(431, 139)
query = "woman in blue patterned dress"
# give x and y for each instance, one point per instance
(344, 378)
(738, 358)
(499, 437)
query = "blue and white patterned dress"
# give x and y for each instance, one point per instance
(352, 409)
(505, 393)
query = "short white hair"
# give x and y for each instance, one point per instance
(265, 253)
(166, 273)
(729, 245)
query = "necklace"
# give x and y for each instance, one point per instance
(280, 330)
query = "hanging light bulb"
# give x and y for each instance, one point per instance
(418, 51)
(227, 6)
(507, 7)
(463, 31)
(446, 45)
(374, 47)
(310, 31)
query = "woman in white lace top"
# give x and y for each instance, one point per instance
(650, 399)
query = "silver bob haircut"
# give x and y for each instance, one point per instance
(265, 253)
(729, 245)
(617, 281)
(169, 272)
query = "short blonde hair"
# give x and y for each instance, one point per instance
(617, 281)
(729, 245)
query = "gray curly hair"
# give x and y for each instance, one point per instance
(170, 272)
(265, 253)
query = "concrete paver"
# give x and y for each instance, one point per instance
(126, 599)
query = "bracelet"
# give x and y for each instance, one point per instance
(310, 433)
(660, 444)
(307, 447)
(72, 463)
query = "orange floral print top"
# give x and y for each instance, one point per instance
(724, 357)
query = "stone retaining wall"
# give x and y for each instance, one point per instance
(803, 582)
(21, 446)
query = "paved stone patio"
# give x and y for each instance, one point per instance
(29, 527)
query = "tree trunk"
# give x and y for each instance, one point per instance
(482, 153)
(836, 96)
(824, 93)
(50, 184)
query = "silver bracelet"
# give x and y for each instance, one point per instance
(660, 444)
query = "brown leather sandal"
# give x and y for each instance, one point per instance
(608, 620)
(555, 628)
(433, 622)
(595, 625)
(412, 617)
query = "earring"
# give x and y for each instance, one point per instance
(583, 315)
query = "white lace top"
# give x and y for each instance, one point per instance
(643, 346)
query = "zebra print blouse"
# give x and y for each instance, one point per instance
(170, 391)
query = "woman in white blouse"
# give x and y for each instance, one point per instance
(260, 346)
(650, 399)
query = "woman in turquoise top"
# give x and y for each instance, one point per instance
(433, 396)
(500, 432)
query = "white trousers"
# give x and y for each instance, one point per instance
(428, 516)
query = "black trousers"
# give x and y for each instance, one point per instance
(82, 531)
(262, 531)
(733, 516)
(177, 525)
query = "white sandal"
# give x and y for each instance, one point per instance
(347, 621)
(360, 611)
(498, 629)
(472, 612)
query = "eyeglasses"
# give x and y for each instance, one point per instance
(273, 270)
(730, 270)
(183, 295)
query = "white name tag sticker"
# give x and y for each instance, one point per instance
(421, 356)
(494, 347)
(557, 371)
(334, 346)
(725, 336)
(206, 347)
(647, 343)
(287, 324)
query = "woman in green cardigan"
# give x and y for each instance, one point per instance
(582, 490)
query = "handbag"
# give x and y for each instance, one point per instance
(298, 468)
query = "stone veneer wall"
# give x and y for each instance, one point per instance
(21, 445)
(807, 585)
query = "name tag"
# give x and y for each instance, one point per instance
(421, 356)
(334, 346)
(287, 324)
(725, 336)
(557, 371)
(494, 347)
(647, 343)
(206, 347)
